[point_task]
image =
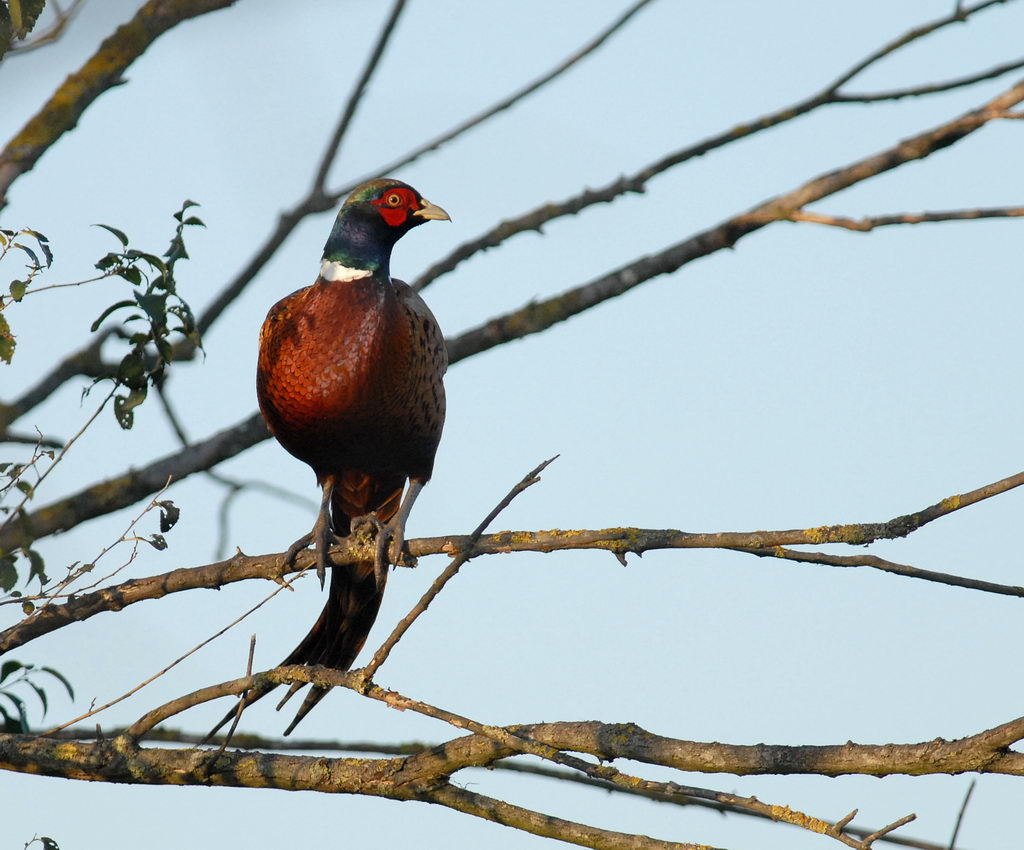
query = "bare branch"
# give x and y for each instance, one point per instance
(618, 541)
(931, 88)
(869, 223)
(334, 145)
(548, 826)
(30, 440)
(316, 201)
(512, 739)
(539, 316)
(959, 15)
(136, 484)
(101, 72)
(885, 566)
(86, 361)
(51, 33)
(545, 213)
(381, 655)
(960, 814)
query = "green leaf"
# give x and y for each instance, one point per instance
(20, 705)
(48, 843)
(7, 342)
(131, 274)
(44, 245)
(38, 567)
(60, 678)
(95, 325)
(10, 724)
(8, 576)
(18, 288)
(125, 405)
(132, 369)
(30, 252)
(9, 667)
(153, 260)
(155, 306)
(157, 541)
(194, 220)
(164, 348)
(170, 513)
(42, 696)
(27, 607)
(118, 233)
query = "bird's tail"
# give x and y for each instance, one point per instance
(353, 597)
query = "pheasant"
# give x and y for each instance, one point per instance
(349, 380)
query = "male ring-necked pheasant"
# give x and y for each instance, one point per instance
(349, 381)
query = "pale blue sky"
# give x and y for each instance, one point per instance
(811, 376)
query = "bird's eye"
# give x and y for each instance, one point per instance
(393, 200)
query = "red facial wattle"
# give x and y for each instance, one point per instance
(395, 205)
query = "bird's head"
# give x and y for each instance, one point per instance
(372, 219)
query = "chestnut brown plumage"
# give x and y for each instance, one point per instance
(349, 380)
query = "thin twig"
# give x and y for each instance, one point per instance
(960, 814)
(464, 554)
(238, 711)
(178, 660)
(868, 223)
(17, 511)
(317, 201)
(51, 34)
(502, 105)
(334, 145)
(829, 95)
(36, 439)
(885, 830)
(958, 15)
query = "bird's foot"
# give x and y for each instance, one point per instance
(388, 543)
(369, 524)
(323, 539)
(296, 547)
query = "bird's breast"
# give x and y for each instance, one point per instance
(336, 377)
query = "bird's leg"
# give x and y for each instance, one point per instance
(321, 535)
(391, 537)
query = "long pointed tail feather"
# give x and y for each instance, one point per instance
(353, 597)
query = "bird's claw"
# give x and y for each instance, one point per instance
(323, 539)
(296, 547)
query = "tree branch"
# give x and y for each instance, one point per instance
(869, 223)
(617, 541)
(317, 201)
(539, 316)
(466, 553)
(101, 72)
(128, 488)
(829, 95)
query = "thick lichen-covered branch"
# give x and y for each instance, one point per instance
(617, 541)
(101, 72)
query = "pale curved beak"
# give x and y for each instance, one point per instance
(431, 211)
